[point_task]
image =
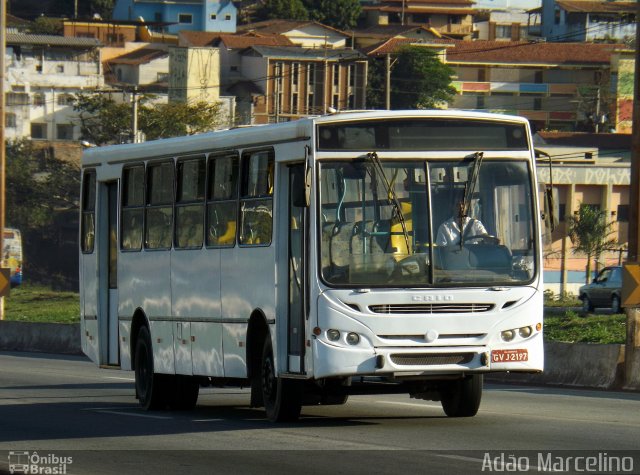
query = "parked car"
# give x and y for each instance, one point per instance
(604, 291)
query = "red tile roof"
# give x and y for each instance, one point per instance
(481, 51)
(511, 52)
(139, 56)
(248, 39)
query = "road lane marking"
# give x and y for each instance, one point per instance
(119, 378)
(411, 404)
(207, 420)
(121, 413)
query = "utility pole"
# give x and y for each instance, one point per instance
(3, 180)
(598, 110)
(134, 115)
(387, 61)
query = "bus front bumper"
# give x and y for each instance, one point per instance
(332, 360)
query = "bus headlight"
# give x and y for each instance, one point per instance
(353, 338)
(333, 335)
(525, 332)
(508, 335)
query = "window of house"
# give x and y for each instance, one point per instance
(351, 71)
(222, 200)
(294, 103)
(60, 68)
(38, 99)
(64, 99)
(159, 206)
(38, 130)
(503, 31)
(213, 17)
(10, 120)
(537, 103)
(185, 18)
(64, 131)
(256, 198)
(227, 17)
(622, 214)
(480, 102)
(17, 98)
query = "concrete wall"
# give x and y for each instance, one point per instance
(566, 364)
(43, 337)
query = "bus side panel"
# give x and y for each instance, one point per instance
(145, 283)
(195, 287)
(249, 284)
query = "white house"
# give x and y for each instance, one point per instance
(43, 74)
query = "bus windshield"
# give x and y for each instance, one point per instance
(426, 223)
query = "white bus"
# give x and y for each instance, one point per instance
(302, 259)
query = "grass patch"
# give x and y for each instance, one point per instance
(572, 327)
(32, 303)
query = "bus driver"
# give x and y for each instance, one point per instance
(449, 232)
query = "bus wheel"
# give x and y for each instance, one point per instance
(184, 392)
(462, 397)
(150, 386)
(282, 397)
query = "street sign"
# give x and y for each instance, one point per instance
(631, 285)
(5, 284)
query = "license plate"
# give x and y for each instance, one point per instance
(509, 356)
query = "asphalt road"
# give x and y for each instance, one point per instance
(65, 413)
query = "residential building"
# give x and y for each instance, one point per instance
(588, 20)
(588, 170)
(194, 15)
(291, 82)
(231, 47)
(43, 75)
(452, 18)
(558, 86)
(194, 74)
(309, 34)
(148, 66)
(506, 25)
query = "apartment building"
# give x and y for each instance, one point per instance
(558, 86)
(292, 82)
(43, 75)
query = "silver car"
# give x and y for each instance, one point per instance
(604, 291)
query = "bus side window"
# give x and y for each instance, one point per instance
(190, 203)
(222, 200)
(256, 200)
(159, 208)
(132, 207)
(88, 211)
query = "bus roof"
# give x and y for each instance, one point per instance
(244, 137)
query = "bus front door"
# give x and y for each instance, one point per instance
(297, 270)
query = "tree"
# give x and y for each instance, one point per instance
(42, 198)
(46, 26)
(340, 14)
(419, 80)
(283, 9)
(104, 121)
(590, 234)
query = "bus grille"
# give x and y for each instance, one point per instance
(431, 308)
(421, 359)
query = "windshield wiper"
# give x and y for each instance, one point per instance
(469, 189)
(391, 196)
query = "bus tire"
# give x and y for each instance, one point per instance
(150, 386)
(462, 397)
(282, 397)
(184, 392)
